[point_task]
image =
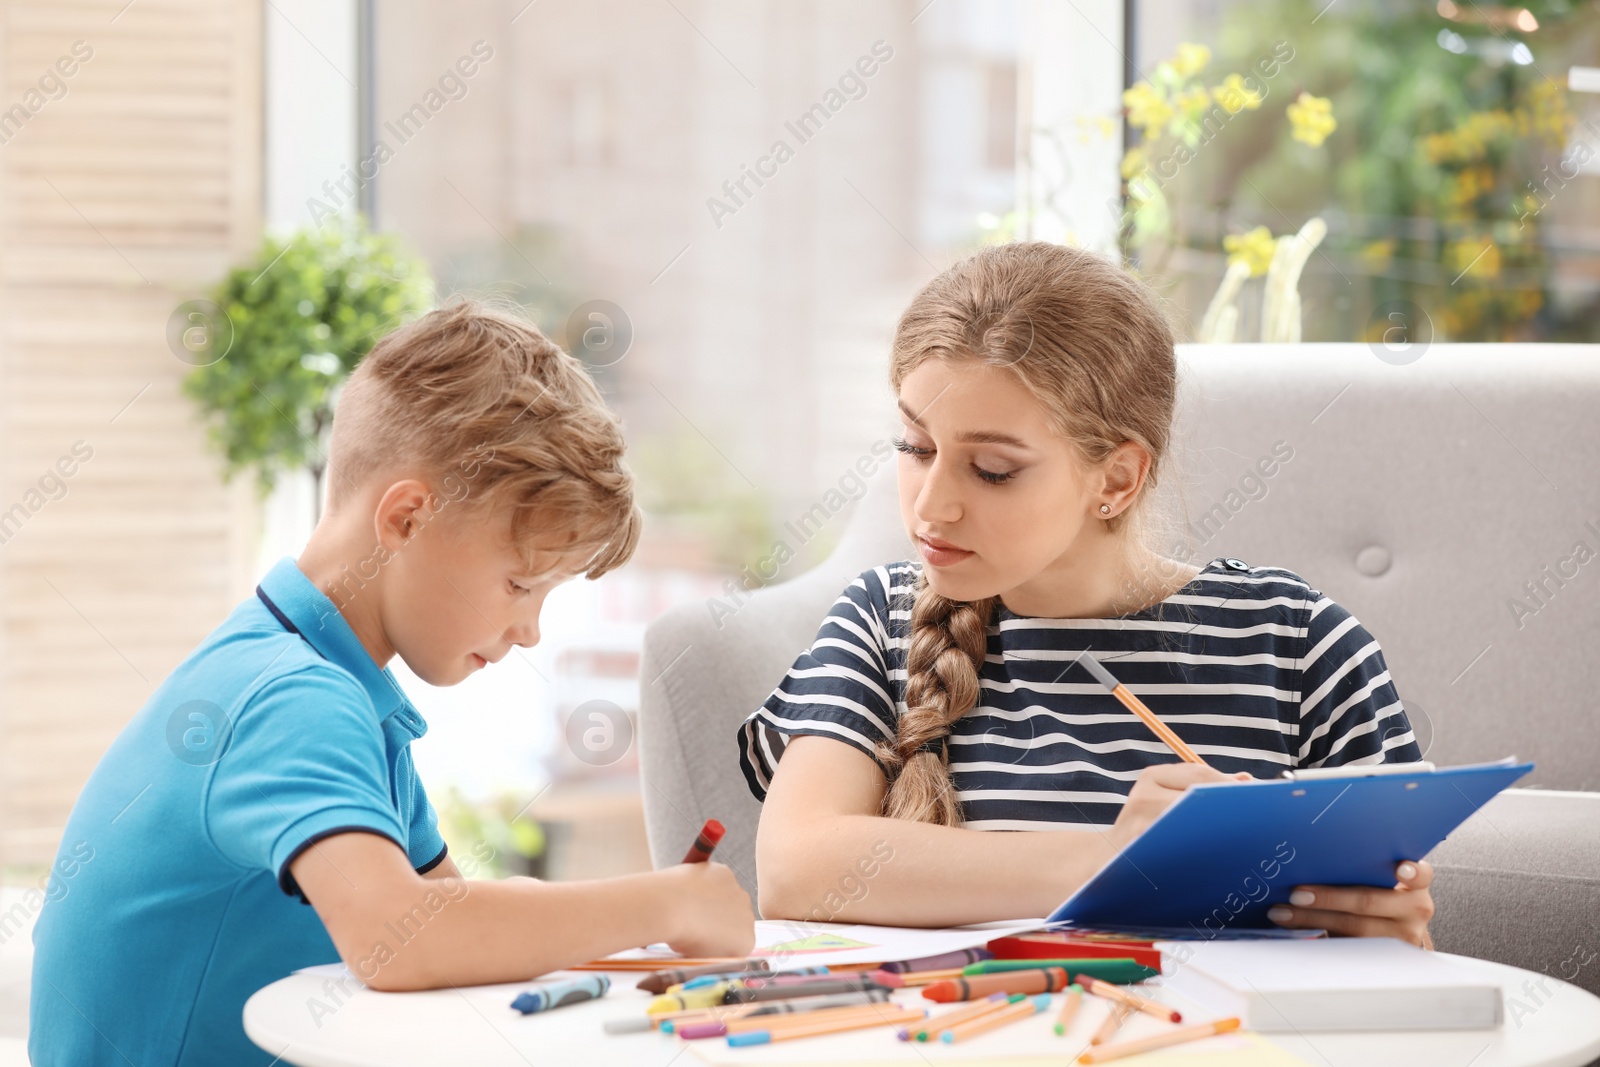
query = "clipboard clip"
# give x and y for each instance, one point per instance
(1366, 770)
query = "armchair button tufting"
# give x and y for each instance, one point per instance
(1373, 560)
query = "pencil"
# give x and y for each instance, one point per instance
(1135, 705)
(1069, 1007)
(1007, 1015)
(888, 1018)
(822, 1017)
(1133, 1000)
(706, 843)
(1155, 1041)
(1119, 1015)
(938, 1024)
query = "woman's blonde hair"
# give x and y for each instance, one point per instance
(1091, 343)
(480, 402)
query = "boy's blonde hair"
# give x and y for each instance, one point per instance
(1089, 340)
(488, 410)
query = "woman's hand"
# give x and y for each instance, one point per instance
(1365, 911)
(1154, 791)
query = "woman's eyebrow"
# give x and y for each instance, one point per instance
(990, 437)
(972, 437)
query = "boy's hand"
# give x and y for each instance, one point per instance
(711, 913)
(1155, 790)
(1366, 911)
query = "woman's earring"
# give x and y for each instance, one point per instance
(1105, 509)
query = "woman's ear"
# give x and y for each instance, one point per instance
(1123, 473)
(401, 512)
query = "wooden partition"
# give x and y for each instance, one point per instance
(130, 163)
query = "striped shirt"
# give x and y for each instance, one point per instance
(1251, 666)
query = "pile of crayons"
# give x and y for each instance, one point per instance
(750, 1004)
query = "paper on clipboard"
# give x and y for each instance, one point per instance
(809, 944)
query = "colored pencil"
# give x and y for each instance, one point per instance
(1011, 1013)
(1155, 1041)
(938, 1024)
(705, 844)
(981, 985)
(1113, 1022)
(1069, 1008)
(714, 1024)
(669, 1021)
(814, 1018)
(1131, 999)
(1135, 705)
(655, 965)
(763, 1037)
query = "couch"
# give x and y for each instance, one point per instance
(1451, 503)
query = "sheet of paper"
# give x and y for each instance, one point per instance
(806, 944)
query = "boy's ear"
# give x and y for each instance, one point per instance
(402, 511)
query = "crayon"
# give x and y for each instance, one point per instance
(704, 997)
(1119, 971)
(821, 987)
(590, 987)
(981, 985)
(659, 982)
(959, 958)
(705, 844)
(740, 976)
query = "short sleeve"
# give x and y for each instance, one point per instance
(424, 844)
(305, 760)
(837, 688)
(1349, 710)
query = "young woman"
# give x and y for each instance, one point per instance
(941, 702)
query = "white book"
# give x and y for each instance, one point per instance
(1345, 983)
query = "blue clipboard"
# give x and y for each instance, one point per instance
(1222, 854)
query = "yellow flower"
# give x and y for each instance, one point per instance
(1147, 108)
(1091, 125)
(1312, 118)
(1379, 254)
(1133, 162)
(1191, 59)
(1235, 96)
(1194, 100)
(1477, 258)
(1254, 249)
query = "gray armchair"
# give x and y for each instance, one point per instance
(1430, 499)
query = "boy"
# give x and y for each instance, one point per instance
(473, 467)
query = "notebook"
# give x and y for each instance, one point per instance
(1213, 863)
(1346, 983)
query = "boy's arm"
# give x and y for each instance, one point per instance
(397, 930)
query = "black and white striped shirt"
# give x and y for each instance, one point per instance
(1251, 666)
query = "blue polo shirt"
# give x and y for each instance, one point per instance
(171, 900)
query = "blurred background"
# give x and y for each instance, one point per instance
(212, 209)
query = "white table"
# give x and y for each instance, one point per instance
(298, 1019)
